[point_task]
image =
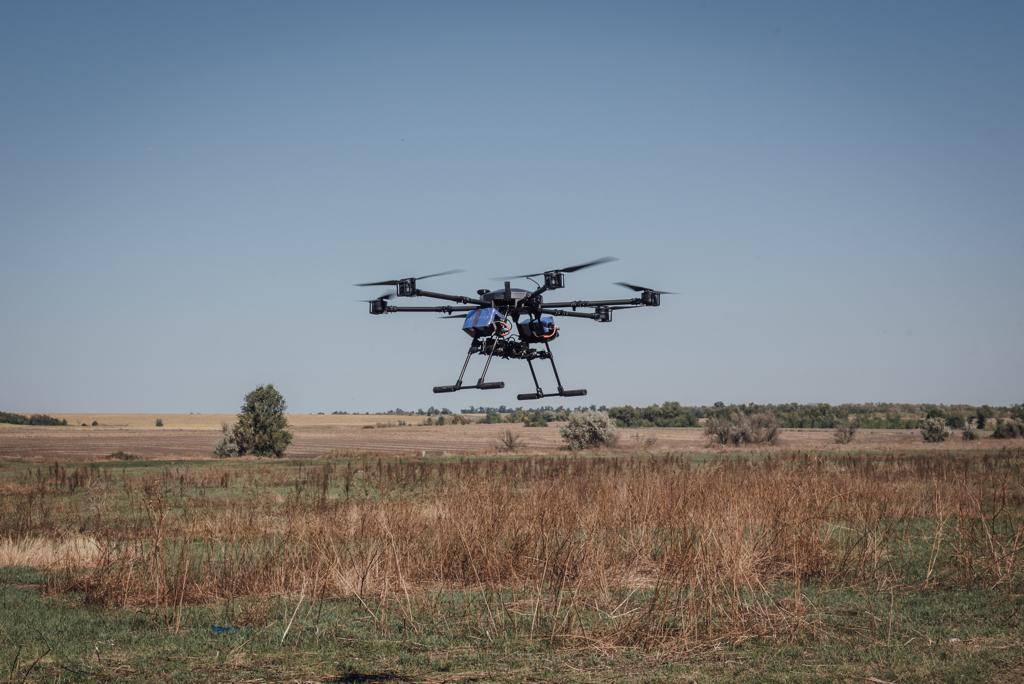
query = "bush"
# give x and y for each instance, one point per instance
(226, 447)
(262, 426)
(934, 430)
(509, 441)
(739, 428)
(536, 420)
(122, 456)
(159, 422)
(589, 429)
(95, 423)
(969, 434)
(1008, 429)
(844, 433)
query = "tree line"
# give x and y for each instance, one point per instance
(790, 415)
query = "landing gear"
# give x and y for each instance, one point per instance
(539, 394)
(500, 344)
(475, 347)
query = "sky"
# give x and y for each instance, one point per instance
(188, 192)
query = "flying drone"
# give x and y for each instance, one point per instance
(512, 323)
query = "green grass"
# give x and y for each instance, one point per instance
(935, 635)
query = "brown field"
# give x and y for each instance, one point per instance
(194, 435)
(887, 559)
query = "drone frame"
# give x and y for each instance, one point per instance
(513, 304)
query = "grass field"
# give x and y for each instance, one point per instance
(194, 436)
(213, 421)
(884, 561)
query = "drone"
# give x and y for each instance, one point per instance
(512, 323)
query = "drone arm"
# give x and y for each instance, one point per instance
(451, 298)
(599, 302)
(429, 309)
(573, 314)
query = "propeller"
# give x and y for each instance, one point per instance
(395, 282)
(641, 288)
(566, 269)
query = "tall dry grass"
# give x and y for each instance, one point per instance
(621, 550)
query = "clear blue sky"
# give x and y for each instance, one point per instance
(188, 191)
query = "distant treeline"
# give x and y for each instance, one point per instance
(792, 415)
(34, 419)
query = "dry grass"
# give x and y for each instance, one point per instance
(637, 550)
(43, 552)
(327, 438)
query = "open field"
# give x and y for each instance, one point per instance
(892, 561)
(194, 436)
(213, 421)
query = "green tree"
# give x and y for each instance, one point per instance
(262, 426)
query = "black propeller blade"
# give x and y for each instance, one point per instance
(395, 282)
(567, 269)
(641, 288)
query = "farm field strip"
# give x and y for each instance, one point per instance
(322, 439)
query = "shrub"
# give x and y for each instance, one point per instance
(589, 429)
(95, 423)
(739, 428)
(934, 430)
(969, 434)
(1008, 429)
(226, 447)
(956, 422)
(509, 441)
(536, 420)
(262, 426)
(122, 456)
(844, 433)
(159, 422)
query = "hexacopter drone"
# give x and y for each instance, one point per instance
(507, 323)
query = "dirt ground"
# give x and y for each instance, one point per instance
(194, 435)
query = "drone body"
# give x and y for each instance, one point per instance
(507, 323)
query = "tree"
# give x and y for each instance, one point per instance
(262, 426)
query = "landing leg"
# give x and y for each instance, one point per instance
(480, 384)
(473, 347)
(534, 374)
(551, 358)
(562, 392)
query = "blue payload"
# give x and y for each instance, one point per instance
(480, 322)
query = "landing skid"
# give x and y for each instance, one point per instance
(477, 348)
(441, 389)
(540, 394)
(563, 393)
